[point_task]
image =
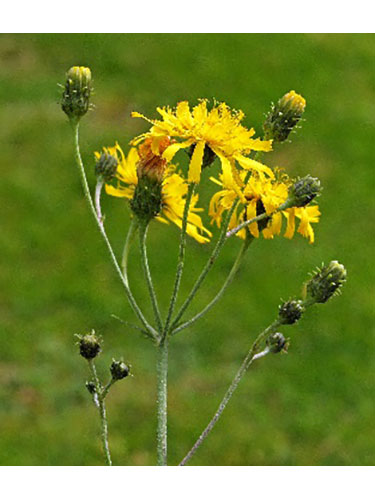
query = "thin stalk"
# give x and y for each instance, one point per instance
(251, 356)
(162, 376)
(227, 282)
(102, 412)
(212, 259)
(86, 190)
(98, 192)
(147, 273)
(125, 253)
(181, 259)
(214, 255)
(258, 218)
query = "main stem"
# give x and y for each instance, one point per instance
(162, 374)
(102, 412)
(86, 190)
(251, 356)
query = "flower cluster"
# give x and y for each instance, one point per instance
(173, 187)
(157, 190)
(260, 195)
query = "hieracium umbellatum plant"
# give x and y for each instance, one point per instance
(252, 201)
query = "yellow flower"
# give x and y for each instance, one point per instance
(262, 195)
(174, 189)
(218, 129)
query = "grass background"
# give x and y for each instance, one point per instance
(314, 406)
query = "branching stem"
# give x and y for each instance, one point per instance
(181, 259)
(251, 356)
(227, 282)
(146, 269)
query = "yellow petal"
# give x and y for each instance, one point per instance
(183, 114)
(173, 148)
(250, 164)
(195, 167)
(291, 226)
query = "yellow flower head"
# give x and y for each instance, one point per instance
(262, 195)
(218, 129)
(174, 188)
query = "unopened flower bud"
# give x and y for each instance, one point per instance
(277, 343)
(303, 191)
(326, 282)
(147, 200)
(90, 386)
(290, 312)
(76, 95)
(106, 166)
(119, 370)
(284, 116)
(89, 345)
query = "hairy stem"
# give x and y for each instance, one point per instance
(258, 218)
(147, 273)
(227, 282)
(125, 253)
(102, 412)
(251, 356)
(162, 374)
(86, 190)
(181, 259)
(98, 192)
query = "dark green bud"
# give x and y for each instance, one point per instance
(277, 343)
(76, 96)
(147, 200)
(119, 370)
(90, 386)
(290, 312)
(89, 345)
(326, 282)
(106, 167)
(284, 116)
(303, 191)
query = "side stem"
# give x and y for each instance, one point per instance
(102, 412)
(125, 253)
(227, 282)
(212, 259)
(86, 190)
(251, 356)
(181, 259)
(146, 268)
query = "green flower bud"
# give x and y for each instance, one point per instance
(90, 386)
(89, 345)
(290, 312)
(106, 166)
(277, 343)
(119, 370)
(284, 116)
(303, 191)
(76, 95)
(326, 282)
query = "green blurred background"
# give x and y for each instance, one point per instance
(314, 406)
